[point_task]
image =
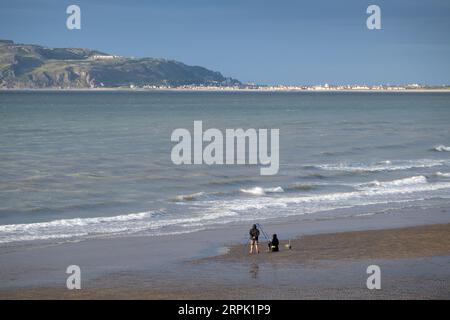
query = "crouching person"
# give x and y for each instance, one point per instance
(273, 245)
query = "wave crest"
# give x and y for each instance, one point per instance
(442, 174)
(441, 148)
(382, 166)
(189, 197)
(258, 191)
(395, 183)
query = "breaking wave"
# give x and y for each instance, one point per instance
(441, 148)
(128, 224)
(382, 166)
(258, 191)
(223, 210)
(68, 228)
(395, 191)
(189, 197)
(395, 183)
(442, 174)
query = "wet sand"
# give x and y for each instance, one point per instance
(414, 263)
(403, 243)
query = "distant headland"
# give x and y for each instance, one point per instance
(27, 66)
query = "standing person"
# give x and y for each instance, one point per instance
(254, 234)
(274, 243)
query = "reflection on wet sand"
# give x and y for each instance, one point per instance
(254, 270)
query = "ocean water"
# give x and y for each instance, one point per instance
(76, 165)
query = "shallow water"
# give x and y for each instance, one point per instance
(89, 164)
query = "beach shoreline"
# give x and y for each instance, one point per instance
(197, 266)
(399, 243)
(224, 90)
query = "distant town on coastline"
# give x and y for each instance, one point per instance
(26, 66)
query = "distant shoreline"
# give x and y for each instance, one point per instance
(262, 90)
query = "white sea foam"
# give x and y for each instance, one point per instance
(225, 210)
(68, 228)
(442, 174)
(189, 197)
(441, 148)
(395, 191)
(258, 191)
(395, 183)
(275, 190)
(104, 226)
(75, 222)
(383, 166)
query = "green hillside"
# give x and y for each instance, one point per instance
(32, 66)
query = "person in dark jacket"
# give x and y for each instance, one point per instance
(254, 234)
(274, 244)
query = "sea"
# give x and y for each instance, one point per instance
(78, 165)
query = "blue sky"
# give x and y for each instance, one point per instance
(267, 42)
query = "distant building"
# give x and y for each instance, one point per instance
(103, 57)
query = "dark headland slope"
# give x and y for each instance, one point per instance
(34, 66)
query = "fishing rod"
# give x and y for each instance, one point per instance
(266, 236)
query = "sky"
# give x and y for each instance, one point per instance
(265, 42)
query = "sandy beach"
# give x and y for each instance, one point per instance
(404, 243)
(323, 265)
